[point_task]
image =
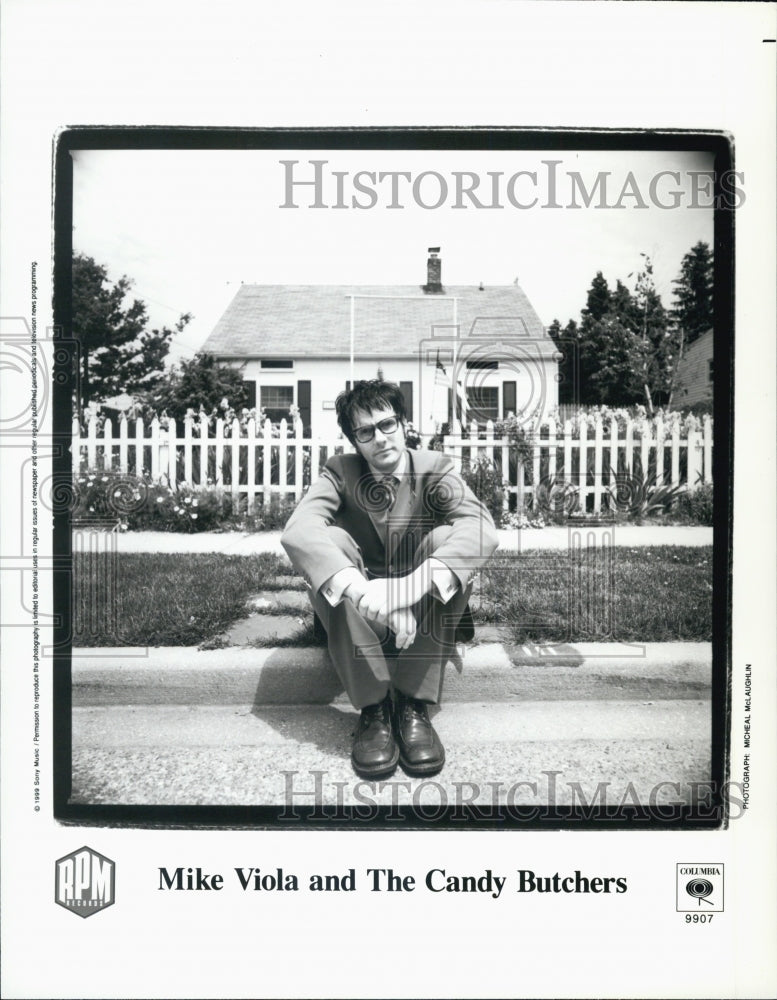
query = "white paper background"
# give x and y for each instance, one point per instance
(587, 65)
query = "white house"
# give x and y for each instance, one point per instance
(302, 345)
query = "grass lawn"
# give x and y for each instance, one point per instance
(650, 594)
(645, 594)
(169, 600)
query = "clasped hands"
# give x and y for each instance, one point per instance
(388, 600)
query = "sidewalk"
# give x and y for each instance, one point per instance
(510, 540)
(532, 754)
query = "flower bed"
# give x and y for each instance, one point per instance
(138, 503)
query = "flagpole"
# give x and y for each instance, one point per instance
(454, 388)
(455, 426)
(433, 414)
(353, 334)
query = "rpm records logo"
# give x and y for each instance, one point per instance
(85, 882)
(700, 888)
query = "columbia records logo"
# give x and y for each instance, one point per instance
(85, 882)
(700, 888)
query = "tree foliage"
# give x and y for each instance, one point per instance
(118, 352)
(197, 385)
(693, 299)
(628, 344)
(567, 342)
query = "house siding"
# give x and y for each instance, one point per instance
(694, 382)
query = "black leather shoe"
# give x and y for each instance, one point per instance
(375, 753)
(420, 749)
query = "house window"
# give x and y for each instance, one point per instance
(710, 371)
(283, 364)
(276, 400)
(482, 365)
(482, 403)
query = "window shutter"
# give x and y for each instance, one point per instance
(250, 385)
(508, 398)
(303, 402)
(406, 388)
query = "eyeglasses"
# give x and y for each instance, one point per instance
(367, 432)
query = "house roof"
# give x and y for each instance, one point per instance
(315, 320)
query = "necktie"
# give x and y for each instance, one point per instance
(390, 484)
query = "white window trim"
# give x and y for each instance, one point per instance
(260, 386)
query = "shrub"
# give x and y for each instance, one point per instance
(696, 505)
(638, 494)
(137, 503)
(701, 409)
(486, 483)
(412, 437)
(274, 515)
(525, 518)
(201, 383)
(690, 418)
(557, 498)
(521, 447)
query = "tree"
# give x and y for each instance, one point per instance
(200, 385)
(597, 301)
(693, 308)
(609, 361)
(568, 343)
(659, 345)
(593, 339)
(627, 348)
(118, 353)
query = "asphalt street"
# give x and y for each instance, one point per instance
(238, 726)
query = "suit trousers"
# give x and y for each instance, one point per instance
(364, 654)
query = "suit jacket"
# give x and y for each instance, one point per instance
(347, 495)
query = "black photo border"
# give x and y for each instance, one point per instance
(709, 814)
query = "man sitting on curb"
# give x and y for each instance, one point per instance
(388, 539)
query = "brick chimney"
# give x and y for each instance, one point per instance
(433, 273)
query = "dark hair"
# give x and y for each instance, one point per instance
(372, 394)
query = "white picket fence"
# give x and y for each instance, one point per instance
(234, 458)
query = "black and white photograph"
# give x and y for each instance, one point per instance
(387, 397)
(377, 537)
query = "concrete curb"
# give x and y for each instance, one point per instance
(293, 676)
